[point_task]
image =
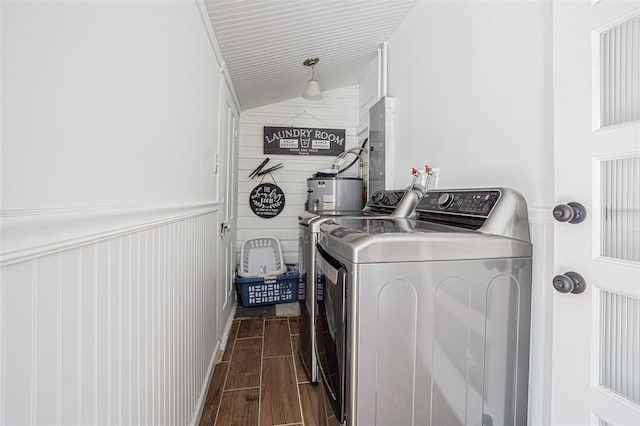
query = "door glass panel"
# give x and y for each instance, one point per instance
(620, 344)
(620, 204)
(620, 73)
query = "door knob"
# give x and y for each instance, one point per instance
(569, 282)
(571, 212)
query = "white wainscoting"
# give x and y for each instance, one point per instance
(117, 327)
(541, 227)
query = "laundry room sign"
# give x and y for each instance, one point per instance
(303, 141)
(266, 200)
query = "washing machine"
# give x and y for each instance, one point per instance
(394, 203)
(426, 321)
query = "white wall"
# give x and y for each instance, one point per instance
(337, 110)
(106, 103)
(473, 85)
(473, 88)
(367, 97)
(109, 291)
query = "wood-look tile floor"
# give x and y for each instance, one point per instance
(260, 381)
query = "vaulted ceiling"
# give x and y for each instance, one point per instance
(264, 42)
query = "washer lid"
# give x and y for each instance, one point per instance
(385, 240)
(306, 218)
(312, 222)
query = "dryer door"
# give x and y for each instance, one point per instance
(307, 306)
(331, 330)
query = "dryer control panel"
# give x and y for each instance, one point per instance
(472, 203)
(466, 208)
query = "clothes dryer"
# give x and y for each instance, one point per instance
(426, 321)
(398, 203)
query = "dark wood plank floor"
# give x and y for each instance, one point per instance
(259, 381)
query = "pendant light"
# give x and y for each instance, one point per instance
(312, 92)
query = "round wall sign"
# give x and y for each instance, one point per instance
(266, 200)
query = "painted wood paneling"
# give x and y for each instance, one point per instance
(541, 228)
(338, 109)
(121, 330)
(344, 34)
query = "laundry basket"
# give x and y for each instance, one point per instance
(261, 256)
(270, 289)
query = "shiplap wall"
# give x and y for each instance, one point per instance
(338, 109)
(112, 330)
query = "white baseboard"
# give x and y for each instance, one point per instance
(197, 415)
(225, 332)
(216, 356)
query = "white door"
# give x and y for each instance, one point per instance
(596, 338)
(227, 194)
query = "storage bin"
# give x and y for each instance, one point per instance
(302, 289)
(269, 290)
(320, 289)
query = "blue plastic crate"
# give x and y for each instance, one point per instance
(302, 287)
(302, 290)
(320, 289)
(269, 290)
